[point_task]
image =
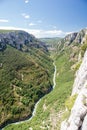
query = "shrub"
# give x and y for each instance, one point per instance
(83, 48)
(15, 110)
(25, 101)
(77, 66)
(70, 102)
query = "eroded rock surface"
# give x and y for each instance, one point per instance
(78, 116)
(19, 39)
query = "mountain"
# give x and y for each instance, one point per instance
(25, 74)
(65, 107)
(76, 104)
(20, 40)
(77, 119)
(73, 38)
(72, 47)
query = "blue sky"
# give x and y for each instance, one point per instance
(44, 18)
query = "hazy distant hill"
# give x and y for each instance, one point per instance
(51, 42)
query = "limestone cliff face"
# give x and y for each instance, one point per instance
(77, 37)
(78, 116)
(20, 40)
(80, 36)
(70, 38)
(81, 76)
(77, 119)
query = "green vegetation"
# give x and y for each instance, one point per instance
(24, 78)
(70, 102)
(78, 65)
(52, 43)
(6, 31)
(84, 47)
(49, 111)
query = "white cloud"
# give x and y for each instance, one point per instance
(26, 1)
(32, 24)
(26, 16)
(39, 33)
(9, 28)
(4, 21)
(47, 33)
(67, 33)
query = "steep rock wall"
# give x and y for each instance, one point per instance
(19, 39)
(76, 37)
(78, 116)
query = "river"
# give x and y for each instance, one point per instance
(35, 108)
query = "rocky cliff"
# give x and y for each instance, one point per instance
(77, 119)
(77, 37)
(72, 38)
(19, 39)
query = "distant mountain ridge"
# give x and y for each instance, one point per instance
(51, 43)
(19, 39)
(70, 39)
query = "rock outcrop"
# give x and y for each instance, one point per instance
(80, 36)
(19, 39)
(76, 37)
(70, 38)
(78, 115)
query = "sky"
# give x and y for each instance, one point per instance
(44, 18)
